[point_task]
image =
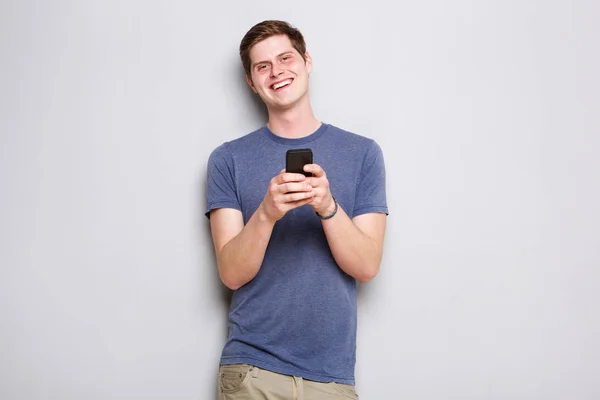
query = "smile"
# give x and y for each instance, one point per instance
(282, 84)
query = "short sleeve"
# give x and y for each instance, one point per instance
(370, 192)
(220, 190)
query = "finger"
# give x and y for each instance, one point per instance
(296, 196)
(289, 177)
(315, 169)
(318, 182)
(295, 204)
(294, 187)
(312, 181)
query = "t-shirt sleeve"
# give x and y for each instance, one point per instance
(220, 187)
(370, 193)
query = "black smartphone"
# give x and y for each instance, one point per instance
(296, 159)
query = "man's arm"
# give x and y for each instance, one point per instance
(240, 249)
(357, 244)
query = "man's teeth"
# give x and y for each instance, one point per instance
(281, 84)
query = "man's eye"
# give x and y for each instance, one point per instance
(285, 58)
(261, 67)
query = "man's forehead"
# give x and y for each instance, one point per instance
(271, 47)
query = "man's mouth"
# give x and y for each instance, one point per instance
(280, 85)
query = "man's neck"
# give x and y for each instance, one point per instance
(294, 123)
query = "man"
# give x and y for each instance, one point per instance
(291, 247)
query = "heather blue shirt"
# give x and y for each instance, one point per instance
(298, 315)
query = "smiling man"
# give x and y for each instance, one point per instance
(290, 246)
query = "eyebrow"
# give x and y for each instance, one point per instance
(266, 61)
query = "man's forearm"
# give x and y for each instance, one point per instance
(240, 259)
(355, 252)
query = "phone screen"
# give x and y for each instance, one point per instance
(296, 159)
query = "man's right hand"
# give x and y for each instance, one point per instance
(286, 191)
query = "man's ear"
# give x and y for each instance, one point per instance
(308, 61)
(249, 80)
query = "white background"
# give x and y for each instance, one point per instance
(488, 116)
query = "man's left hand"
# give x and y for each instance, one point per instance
(322, 201)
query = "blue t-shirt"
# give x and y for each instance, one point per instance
(298, 315)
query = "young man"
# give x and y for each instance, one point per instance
(290, 246)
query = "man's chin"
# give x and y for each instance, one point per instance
(281, 105)
(284, 104)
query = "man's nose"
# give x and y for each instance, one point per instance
(276, 70)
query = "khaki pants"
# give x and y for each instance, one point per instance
(247, 382)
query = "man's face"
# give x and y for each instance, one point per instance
(278, 73)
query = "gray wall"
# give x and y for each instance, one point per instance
(488, 116)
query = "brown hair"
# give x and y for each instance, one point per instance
(264, 30)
